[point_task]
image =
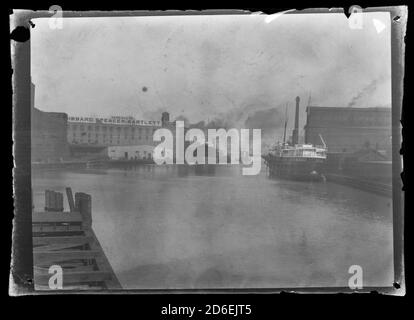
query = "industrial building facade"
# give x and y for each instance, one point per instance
(347, 130)
(129, 152)
(48, 134)
(120, 131)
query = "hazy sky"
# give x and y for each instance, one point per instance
(237, 69)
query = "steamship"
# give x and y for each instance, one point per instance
(296, 161)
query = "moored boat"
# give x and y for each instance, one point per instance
(296, 161)
(299, 162)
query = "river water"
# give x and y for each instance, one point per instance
(162, 227)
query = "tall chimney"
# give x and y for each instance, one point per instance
(295, 133)
(165, 119)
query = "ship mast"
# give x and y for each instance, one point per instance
(295, 133)
(284, 132)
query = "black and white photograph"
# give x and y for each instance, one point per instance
(214, 151)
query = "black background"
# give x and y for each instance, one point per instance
(149, 306)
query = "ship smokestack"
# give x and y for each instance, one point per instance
(165, 119)
(295, 133)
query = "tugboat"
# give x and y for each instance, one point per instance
(296, 161)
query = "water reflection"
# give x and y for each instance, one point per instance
(181, 227)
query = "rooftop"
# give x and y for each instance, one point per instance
(384, 109)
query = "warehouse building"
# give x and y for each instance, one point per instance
(138, 152)
(48, 134)
(347, 130)
(119, 131)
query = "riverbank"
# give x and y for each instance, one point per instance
(361, 184)
(67, 164)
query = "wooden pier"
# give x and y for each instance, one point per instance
(66, 241)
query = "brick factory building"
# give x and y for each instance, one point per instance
(48, 134)
(113, 131)
(92, 137)
(347, 130)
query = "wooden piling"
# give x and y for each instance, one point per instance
(83, 204)
(53, 201)
(47, 200)
(59, 201)
(70, 199)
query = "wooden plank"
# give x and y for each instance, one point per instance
(70, 277)
(55, 212)
(44, 257)
(103, 262)
(62, 240)
(69, 194)
(81, 268)
(59, 233)
(54, 247)
(71, 287)
(43, 217)
(51, 228)
(71, 264)
(77, 268)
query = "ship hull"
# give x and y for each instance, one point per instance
(308, 169)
